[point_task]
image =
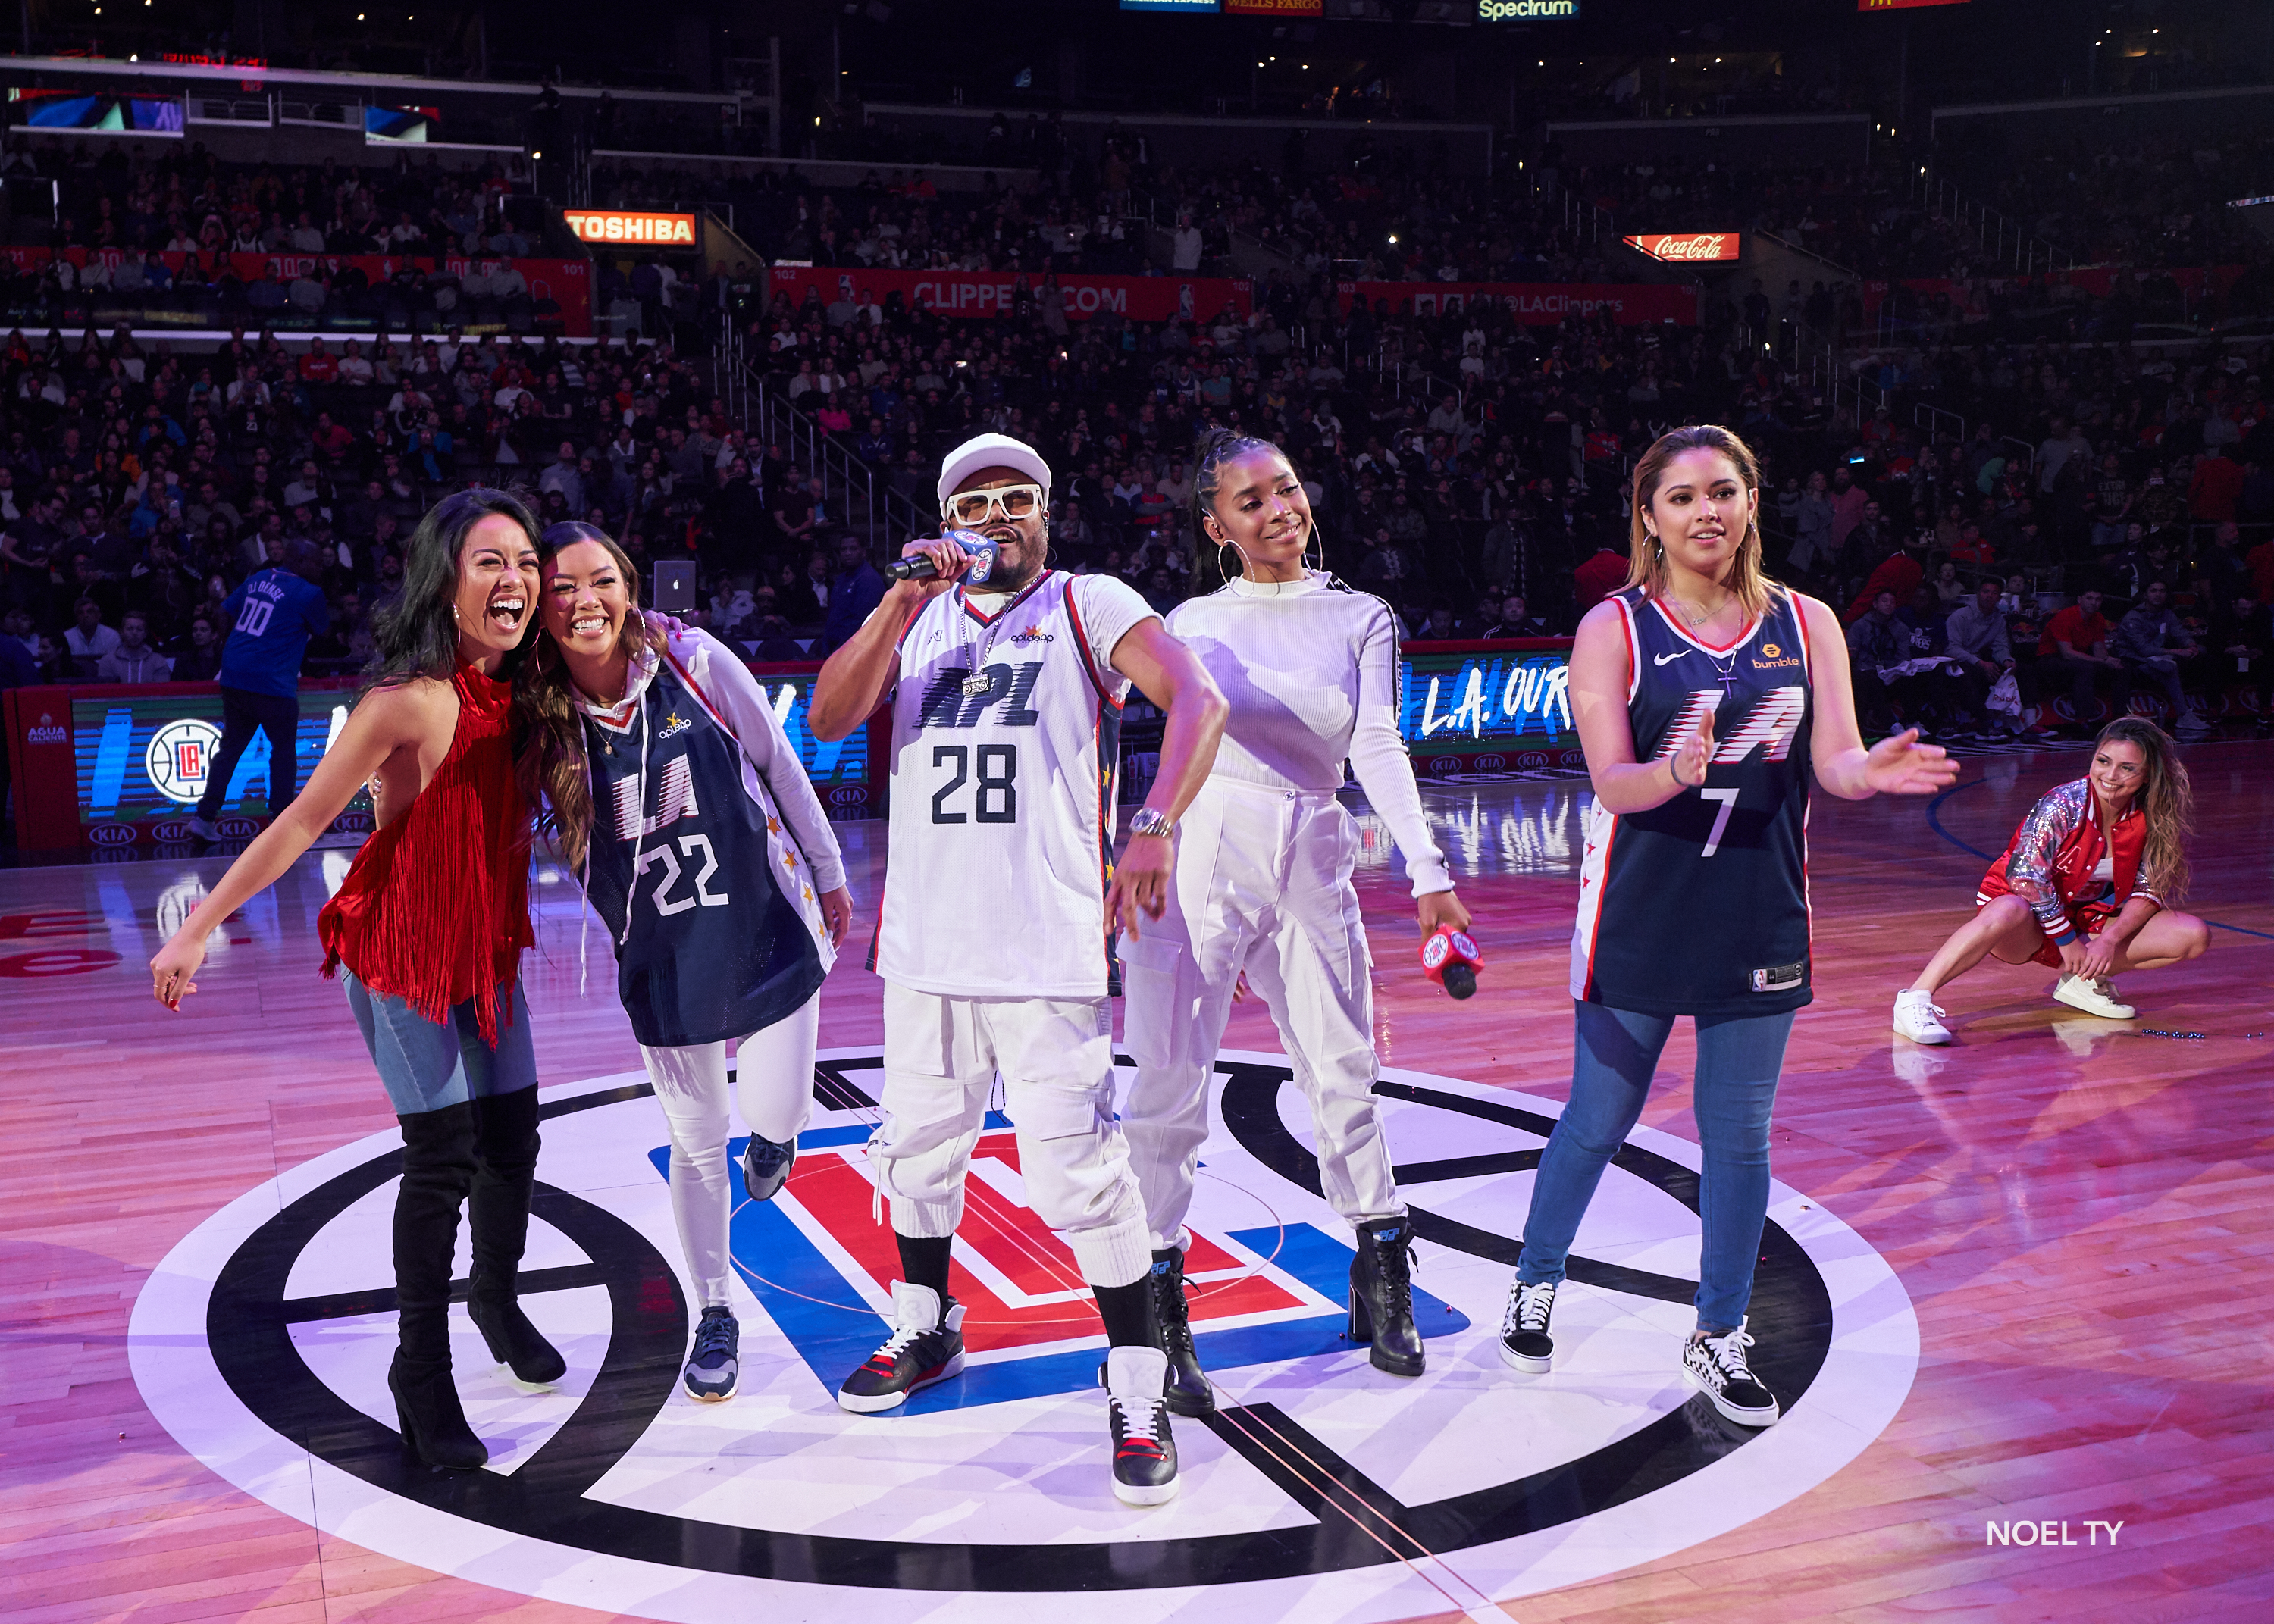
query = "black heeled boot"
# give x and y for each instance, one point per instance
(505, 1154)
(1381, 1297)
(438, 1171)
(1189, 1392)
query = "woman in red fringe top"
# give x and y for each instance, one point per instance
(427, 934)
(2086, 886)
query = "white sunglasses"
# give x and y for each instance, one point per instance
(970, 508)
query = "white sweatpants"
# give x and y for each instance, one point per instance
(1056, 1058)
(1262, 884)
(773, 1084)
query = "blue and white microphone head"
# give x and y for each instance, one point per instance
(981, 551)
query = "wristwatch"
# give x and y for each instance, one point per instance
(1150, 820)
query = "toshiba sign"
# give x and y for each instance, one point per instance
(1688, 245)
(631, 225)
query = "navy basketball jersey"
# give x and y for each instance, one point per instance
(1700, 907)
(715, 951)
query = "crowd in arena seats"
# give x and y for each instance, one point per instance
(175, 223)
(1468, 468)
(139, 487)
(1471, 469)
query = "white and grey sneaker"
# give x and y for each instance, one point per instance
(203, 829)
(714, 1367)
(1716, 1367)
(2093, 997)
(1918, 1017)
(1525, 1343)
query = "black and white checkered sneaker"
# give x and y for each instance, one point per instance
(1716, 1367)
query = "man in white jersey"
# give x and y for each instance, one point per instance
(999, 905)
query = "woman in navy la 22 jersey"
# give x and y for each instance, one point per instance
(1705, 693)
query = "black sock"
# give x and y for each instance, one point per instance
(1128, 1311)
(924, 1262)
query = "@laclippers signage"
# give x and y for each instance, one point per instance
(1679, 246)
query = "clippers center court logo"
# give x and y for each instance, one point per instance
(180, 756)
(262, 1344)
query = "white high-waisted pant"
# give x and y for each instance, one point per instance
(1262, 884)
(1055, 1055)
(773, 1084)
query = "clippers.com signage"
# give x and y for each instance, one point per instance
(983, 293)
(1680, 247)
(635, 227)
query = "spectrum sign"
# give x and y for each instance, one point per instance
(1681, 247)
(1526, 10)
(636, 227)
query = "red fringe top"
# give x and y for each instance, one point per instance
(435, 907)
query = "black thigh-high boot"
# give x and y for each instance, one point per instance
(505, 1155)
(438, 1171)
(1381, 1295)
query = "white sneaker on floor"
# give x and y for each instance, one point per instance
(1917, 1017)
(204, 830)
(2192, 726)
(2093, 997)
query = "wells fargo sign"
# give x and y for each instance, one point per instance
(631, 225)
(1685, 245)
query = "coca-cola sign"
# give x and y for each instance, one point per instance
(1685, 245)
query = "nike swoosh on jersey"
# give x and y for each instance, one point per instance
(1662, 658)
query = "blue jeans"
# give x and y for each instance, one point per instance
(425, 1065)
(1614, 1053)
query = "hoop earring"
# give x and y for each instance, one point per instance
(1322, 540)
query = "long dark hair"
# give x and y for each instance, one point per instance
(416, 635)
(549, 758)
(2166, 801)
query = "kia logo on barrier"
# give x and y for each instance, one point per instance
(169, 832)
(111, 834)
(352, 822)
(1444, 763)
(1487, 764)
(1575, 761)
(1532, 760)
(237, 828)
(1682, 246)
(848, 796)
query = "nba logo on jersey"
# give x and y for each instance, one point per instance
(823, 1267)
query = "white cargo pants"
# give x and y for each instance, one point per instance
(1262, 884)
(1056, 1058)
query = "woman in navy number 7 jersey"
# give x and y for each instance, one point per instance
(675, 795)
(1704, 694)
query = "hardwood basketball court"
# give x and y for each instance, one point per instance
(2075, 1210)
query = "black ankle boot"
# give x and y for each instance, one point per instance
(1189, 1392)
(438, 1170)
(505, 1152)
(1381, 1297)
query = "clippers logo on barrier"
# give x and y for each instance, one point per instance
(632, 226)
(1682, 247)
(179, 756)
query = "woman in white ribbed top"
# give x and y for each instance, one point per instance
(1264, 889)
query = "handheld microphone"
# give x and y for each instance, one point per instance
(919, 568)
(1451, 959)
